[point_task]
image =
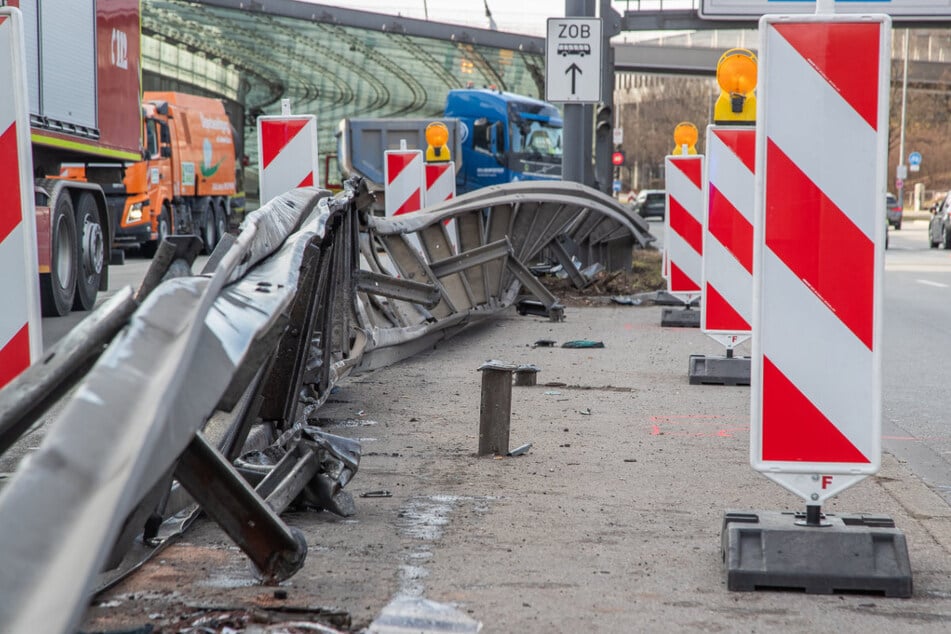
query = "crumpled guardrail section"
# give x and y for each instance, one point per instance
(207, 393)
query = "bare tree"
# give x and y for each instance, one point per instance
(650, 109)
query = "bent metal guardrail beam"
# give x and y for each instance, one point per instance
(208, 393)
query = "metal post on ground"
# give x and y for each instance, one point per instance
(495, 411)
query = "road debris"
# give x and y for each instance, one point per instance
(518, 451)
(583, 343)
(382, 493)
(422, 616)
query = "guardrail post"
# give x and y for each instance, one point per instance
(495, 412)
(276, 550)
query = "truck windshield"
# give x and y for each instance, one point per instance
(535, 139)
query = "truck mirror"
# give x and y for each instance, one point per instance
(496, 141)
(166, 151)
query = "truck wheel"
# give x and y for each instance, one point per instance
(92, 257)
(208, 233)
(221, 222)
(164, 230)
(58, 287)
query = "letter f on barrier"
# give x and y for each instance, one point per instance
(826, 481)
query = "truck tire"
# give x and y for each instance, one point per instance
(164, 230)
(58, 287)
(92, 257)
(208, 233)
(221, 221)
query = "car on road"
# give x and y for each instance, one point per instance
(939, 227)
(893, 210)
(650, 202)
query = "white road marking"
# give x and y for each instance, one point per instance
(930, 283)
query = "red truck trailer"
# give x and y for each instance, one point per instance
(83, 59)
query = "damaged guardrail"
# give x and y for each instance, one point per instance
(200, 391)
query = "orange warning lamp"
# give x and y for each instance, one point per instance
(685, 138)
(437, 135)
(736, 75)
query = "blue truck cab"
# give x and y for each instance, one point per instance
(505, 138)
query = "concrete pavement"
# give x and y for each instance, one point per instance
(610, 523)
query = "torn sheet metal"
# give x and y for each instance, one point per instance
(64, 507)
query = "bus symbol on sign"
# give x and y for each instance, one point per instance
(574, 49)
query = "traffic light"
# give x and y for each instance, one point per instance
(617, 158)
(603, 119)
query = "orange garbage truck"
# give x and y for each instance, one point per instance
(185, 183)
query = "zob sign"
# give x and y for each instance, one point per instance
(573, 60)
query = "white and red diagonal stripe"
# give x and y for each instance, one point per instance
(684, 223)
(20, 340)
(440, 183)
(816, 363)
(727, 305)
(404, 181)
(288, 150)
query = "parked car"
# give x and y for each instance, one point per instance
(939, 227)
(650, 202)
(893, 211)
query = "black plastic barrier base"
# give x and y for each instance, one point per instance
(708, 370)
(680, 318)
(770, 550)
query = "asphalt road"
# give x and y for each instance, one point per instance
(917, 335)
(128, 274)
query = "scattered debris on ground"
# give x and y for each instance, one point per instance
(644, 277)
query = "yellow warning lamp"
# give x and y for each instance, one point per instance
(437, 135)
(736, 74)
(685, 138)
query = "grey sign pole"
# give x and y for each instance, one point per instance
(576, 153)
(605, 118)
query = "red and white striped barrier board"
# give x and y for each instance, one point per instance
(684, 223)
(20, 329)
(727, 303)
(287, 154)
(403, 171)
(822, 132)
(440, 187)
